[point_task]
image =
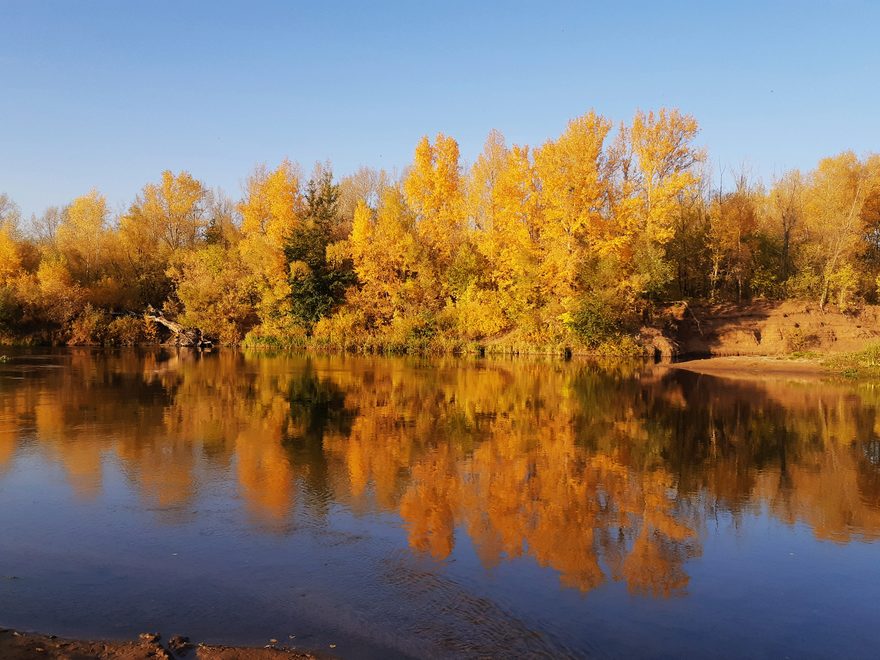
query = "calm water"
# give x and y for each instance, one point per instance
(438, 508)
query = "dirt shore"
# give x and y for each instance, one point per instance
(763, 329)
(16, 645)
(752, 367)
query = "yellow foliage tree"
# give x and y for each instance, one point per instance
(574, 195)
(733, 220)
(388, 277)
(273, 203)
(435, 192)
(666, 158)
(836, 195)
(10, 256)
(81, 236)
(509, 237)
(212, 284)
(655, 163)
(170, 215)
(483, 180)
(270, 210)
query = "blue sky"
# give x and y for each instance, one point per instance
(108, 94)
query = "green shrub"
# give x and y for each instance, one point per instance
(595, 322)
(263, 338)
(803, 286)
(863, 364)
(765, 284)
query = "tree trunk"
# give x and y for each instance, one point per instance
(182, 336)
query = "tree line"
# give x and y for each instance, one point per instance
(574, 243)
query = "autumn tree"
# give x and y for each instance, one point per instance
(657, 175)
(508, 220)
(435, 192)
(81, 236)
(690, 250)
(574, 188)
(45, 226)
(170, 215)
(388, 278)
(165, 218)
(11, 263)
(10, 251)
(224, 225)
(733, 221)
(365, 185)
(212, 285)
(833, 213)
(10, 257)
(270, 211)
(483, 180)
(786, 214)
(9, 211)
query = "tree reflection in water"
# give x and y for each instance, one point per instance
(597, 472)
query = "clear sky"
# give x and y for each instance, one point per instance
(108, 94)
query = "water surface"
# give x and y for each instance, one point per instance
(425, 508)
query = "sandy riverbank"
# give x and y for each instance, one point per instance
(756, 367)
(26, 646)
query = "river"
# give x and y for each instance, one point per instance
(456, 507)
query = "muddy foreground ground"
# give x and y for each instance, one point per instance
(19, 646)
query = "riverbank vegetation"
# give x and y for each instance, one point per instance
(857, 364)
(570, 245)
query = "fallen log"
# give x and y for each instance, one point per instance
(183, 336)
